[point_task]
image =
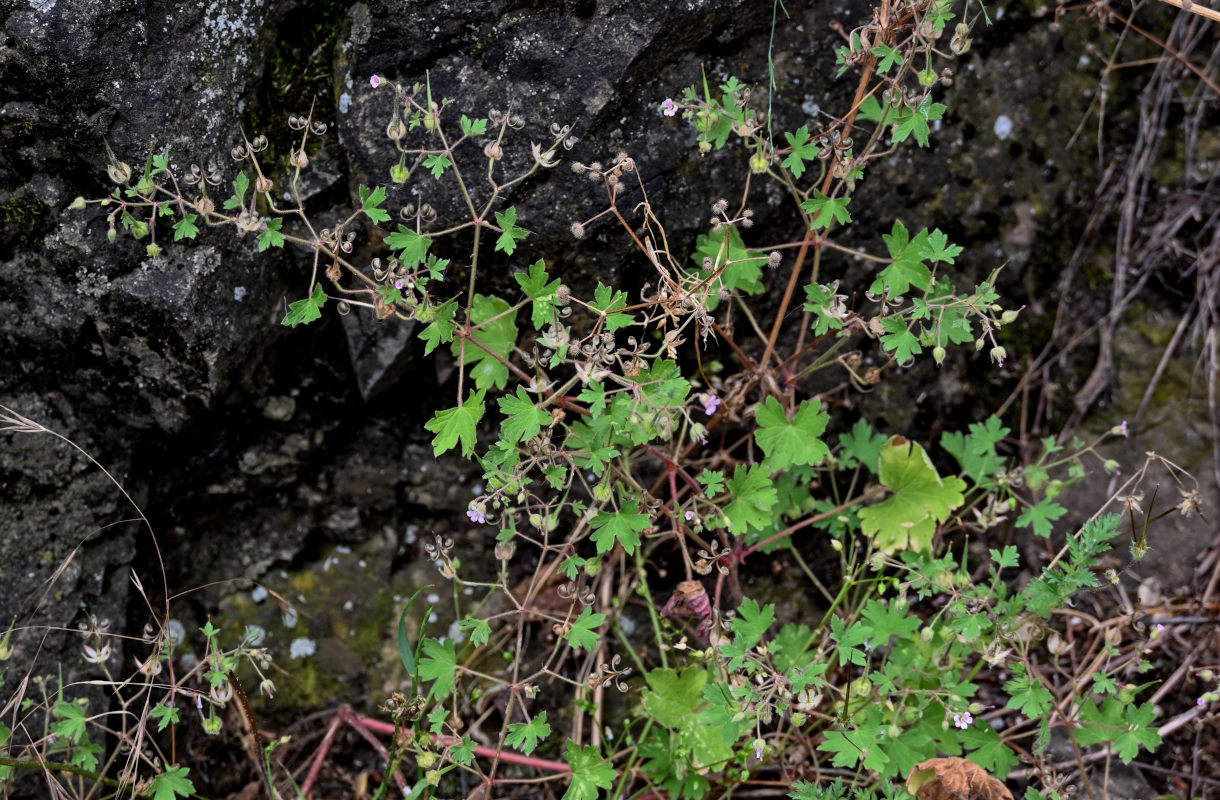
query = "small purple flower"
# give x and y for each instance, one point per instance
(669, 107)
(690, 515)
(398, 284)
(375, 80)
(476, 514)
(1121, 430)
(1200, 702)
(963, 720)
(710, 403)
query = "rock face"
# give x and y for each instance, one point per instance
(249, 445)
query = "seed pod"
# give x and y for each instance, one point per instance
(119, 171)
(298, 159)
(396, 129)
(263, 184)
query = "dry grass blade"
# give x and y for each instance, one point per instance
(1194, 8)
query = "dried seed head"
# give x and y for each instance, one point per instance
(299, 159)
(493, 150)
(773, 259)
(720, 206)
(263, 184)
(578, 230)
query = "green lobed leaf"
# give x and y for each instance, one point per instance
(826, 211)
(303, 312)
(172, 784)
(671, 697)
(607, 302)
(370, 204)
(753, 497)
(907, 268)
(186, 228)
(789, 443)
(525, 735)
(589, 771)
(453, 425)
(620, 527)
(439, 664)
(271, 237)
(543, 294)
(583, 633)
(921, 499)
(412, 246)
(523, 419)
(511, 233)
(498, 331)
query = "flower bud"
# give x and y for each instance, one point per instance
(938, 354)
(111, 234)
(998, 355)
(433, 777)
(426, 760)
(77, 204)
(153, 250)
(139, 229)
(1109, 465)
(1009, 316)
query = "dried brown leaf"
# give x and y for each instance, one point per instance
(954, 779)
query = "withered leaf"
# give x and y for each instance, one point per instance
(954, 779)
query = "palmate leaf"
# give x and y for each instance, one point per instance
(907, 269)
(742, 267)
(1127, 726)
(302, 312)
(796, 442)
(671, 698)
(537, 288)
(753, 498)
(508, 222)
(589, 771)
(583, 633)
(802, 150)
(439, 664)
(526, 735)
(453, 425)
(523, 419)
(921, 499)
(172, 784)
(622, 527)
(498, 331)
